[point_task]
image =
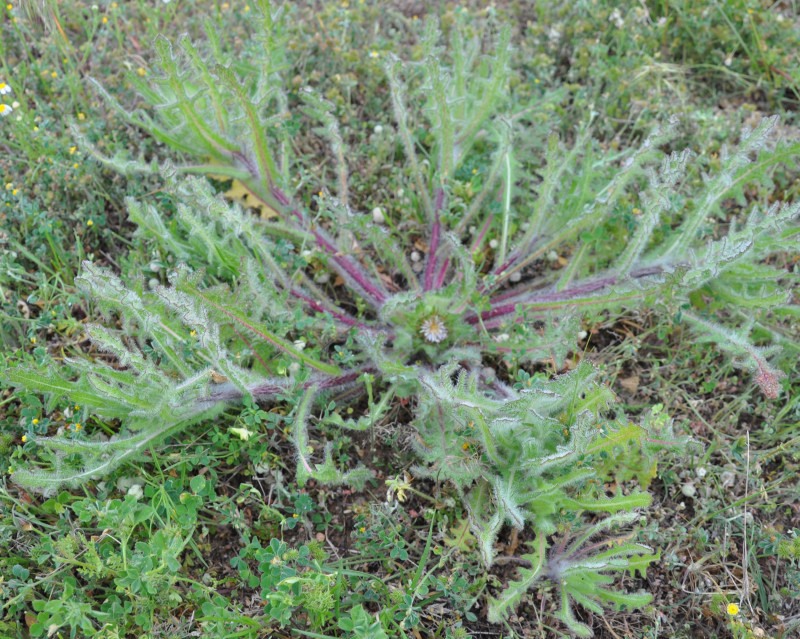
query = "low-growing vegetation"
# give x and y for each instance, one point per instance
(374, 320)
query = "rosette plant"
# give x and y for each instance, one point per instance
(490, 267)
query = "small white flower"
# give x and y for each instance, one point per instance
(135, 491)
(241, 433)
(433, 329)
(493, 244)
(516, 276)
(378, 129)
(377, 215)
(4, 88)
(5, 110)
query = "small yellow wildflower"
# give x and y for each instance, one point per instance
(14, 191)
(374, 54)
(54, 74)
(81, 116)
(104, 20)
(295, 516)
(34, 421)
(24, 438)
(4, 88)
(33, 340)
(398, 487)
(733, 609)
(241, 433)
(77, 426)
(72, 150)
(362, 529)
(75, 166)
(192, 333)
(5, 110)
(9, 186)
(9, 6)
(141, 71)
(89, 222)
(77, 407)
(114, 5)
(246, 8)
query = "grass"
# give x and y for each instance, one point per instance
(213, 525)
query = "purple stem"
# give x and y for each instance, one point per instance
(276, 386)
(343, 262)
(484, 229)
(442, 273)
(430, 267)
(319, 308)
(510, 305)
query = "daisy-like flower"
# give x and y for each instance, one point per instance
(4, 88)
(5, 110)
(433, 329)
(732, 609)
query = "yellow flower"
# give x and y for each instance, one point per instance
(241, 433)
(733, 609)
(77, 426)
(90, 223)
(4, 88)
(33, 340)
(141, 71)
(104, 20)
(72, 150)
(81, 116)
(24, 438)
(35, 421)
(5, 110)
(398, 487)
